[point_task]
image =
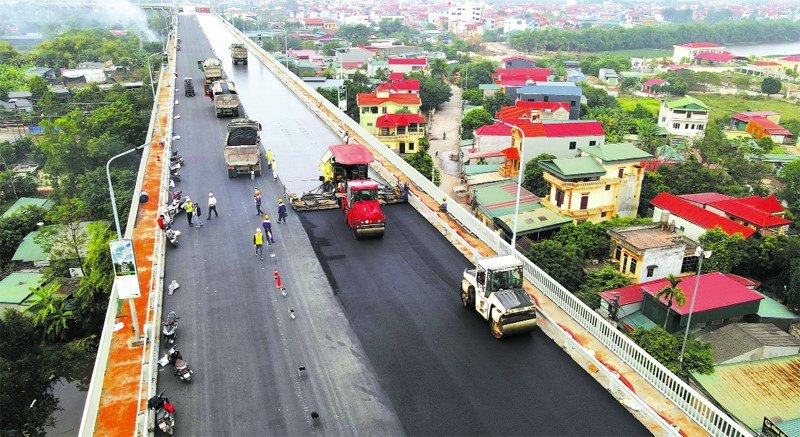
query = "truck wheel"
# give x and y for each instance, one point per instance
(468, 298)
(257, 172)
(236, 112)
(497, 329)
(219, 115)
(231, 173)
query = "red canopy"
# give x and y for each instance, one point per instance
(351, 154)
(511, 153)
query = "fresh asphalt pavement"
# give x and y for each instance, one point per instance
(380, 329)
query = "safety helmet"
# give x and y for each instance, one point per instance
(280, 200)
(210, 194)
(266, 216)
(444, 198)
(258, 230)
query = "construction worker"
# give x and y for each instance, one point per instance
(281, 211)
(258, 242)
(268, 229)
(189, 207)
(269, 158)
(443, 206)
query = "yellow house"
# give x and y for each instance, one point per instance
(790, 62)
(401, 132)
(603, 182)
(372, 106)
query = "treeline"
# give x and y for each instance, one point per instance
(598, 39)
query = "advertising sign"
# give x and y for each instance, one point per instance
(770, 429)
(126, 280)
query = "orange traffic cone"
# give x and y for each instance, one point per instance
(278, 282)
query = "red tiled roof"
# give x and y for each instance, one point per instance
(573, 129)
(715, 57)
(530, 129)
(627, 295)
(394, 120)
(354, 64)
(750, 213)
(519, 81)
(313, 21)
(766, 64)
(511, 153)
(697, 215)
(770, 204)
(542, 106)
(401, 85)
(795, 58)
(400, 99)
(654, 81)
(523, 72)
(494, 130)
(747, 282)
(513, 112)
(714, 291)
(396, 76)
(699, 45)
(705, 198)
(404, 61)
(512, 58)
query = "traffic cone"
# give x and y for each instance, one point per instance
(278, 282)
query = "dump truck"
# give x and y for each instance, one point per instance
(212, 69)
(238, 53)
(226, 101)
(346, 185)
(243, 147)
(494, 289)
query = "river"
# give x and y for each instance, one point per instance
(783, 49)
(71, 393)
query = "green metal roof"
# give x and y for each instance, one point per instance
(29, 250)
(790, 427)
(616, 152)
(753, 390)
(536, 220)
(776, 157)
(24, 201)
(688, 102)
(571, 168)
(15, 288)
(470, 170)
(770, 308)
(499, 198)
(489, 86)
(380, 63)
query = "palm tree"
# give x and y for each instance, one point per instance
(50, 311)
(670, 293)
(439, 68)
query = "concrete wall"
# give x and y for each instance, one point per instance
(558, 146)
(667, 259)
(690, 230)
(491, 143)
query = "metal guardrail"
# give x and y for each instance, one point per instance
(692, 403)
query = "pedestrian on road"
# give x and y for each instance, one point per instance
(212, 205)
(267, 225)
(444, 135)
(269, 158)
(189, 208)
(259, 211)
(274, 170)
(281, 212)
(198, 214)
(258, 242)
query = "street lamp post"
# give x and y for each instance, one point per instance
(150, 72)
(166, 36)
(119, 230)
(519, 181)
(700, 254)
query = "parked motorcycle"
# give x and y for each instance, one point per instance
(175, 158)
(181, 367)
(165, 412)
(172, 236)
(170, 327)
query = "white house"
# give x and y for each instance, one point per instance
(687, 52)
(691, 220)
(686, 117)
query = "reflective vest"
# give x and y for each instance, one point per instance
(258, 238)
(189, 207)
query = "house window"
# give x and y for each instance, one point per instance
(686, 126)
(603, 214)
(624, 262)
(546, 98)
(633, 265)
(608, 187)
(621, 173)
(700, 127)
(676, 125)
(618, 253)
(572, 103)
(559, 198)
(663, 119)
(689, 264)
(384, 131)
(650, 271)
(384, 110)
(573, 145)
(592, 143)
(584, 201)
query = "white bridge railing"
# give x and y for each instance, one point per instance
(692, 403)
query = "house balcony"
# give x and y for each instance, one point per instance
(577, 213)
(408, 136)
(571, 186)
(695, 118)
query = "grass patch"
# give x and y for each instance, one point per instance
(724, 105)
(628, 103)
(639, 53)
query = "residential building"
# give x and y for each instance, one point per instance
(691, 219)
(391, 51)
(403, 86)
(372, 106)
(313, 23)
(15, 289)
(550, 92)
(609, 76)
(403, 65)
(790, 63)
(514, 62)
(711, 58)
(761, 127)
(652, 251)
(489, 89)
(687, 52)
(651, 85)
(603, 182)
(544, 110)
(765, 215)
(740, 342)
(739, 121)
(517, 77)
(560, 138)
(686, 117)
(575, 76)
(25, 201)
(401, 132)
(468, 11)
(776, 160)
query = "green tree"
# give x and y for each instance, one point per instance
(666, 349)
(95, 287)
(433, 92)
(534, 176)
(473, 96)
(8, 54)
(598, 281)
(494, 103)
(742, 82)
(791, 296)
(596, 97)
(422, 162)
(14, 185)
(50, 312)
(671, 293)
(562, 263)
(27, 366)
(592, 239)
(66, 240)
(356, 34)
(630, 84)
(14, 228)
(439, 69)
(790, 189)
(728, 251)
(771, 85)
(37, 86)
(472, 120)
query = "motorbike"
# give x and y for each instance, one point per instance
(170, 327)
(165, 412)
(175, 158)
(181, 367)
(172, 236)
(173, 171)
(175, 203)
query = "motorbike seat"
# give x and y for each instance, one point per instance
(180, 363)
